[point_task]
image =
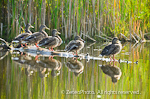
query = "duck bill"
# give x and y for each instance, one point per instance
(47, 28)
(31, 26)
(118, 41)
(82, 40)
(58, 33)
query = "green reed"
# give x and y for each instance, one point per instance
(76, 17)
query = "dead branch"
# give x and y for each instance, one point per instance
(6, 43)
(137, 36)
(134, 39)
(124, 37)
(89, 37)
(103, 38)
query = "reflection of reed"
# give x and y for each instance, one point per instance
(113, 71)
(75, 66)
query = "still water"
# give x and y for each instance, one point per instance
(23, 77)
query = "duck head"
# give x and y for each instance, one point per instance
(115, 40)
(42, 27)
(114, 80)
(28, 26)
(55, 32)
(78, 38)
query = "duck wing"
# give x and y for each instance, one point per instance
(111, 49)
(71, 43)
(37, 36)
(105, 51)
(48, 41)
(21, 36)
(34, 35)
(43, 41)
(73, 46)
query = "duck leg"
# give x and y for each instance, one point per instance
(36, 57)
(113, 63)
(36, 45)
(21, 53)
(110, 58)
(114, 58)
(73, 53)
(22, 45)
(52, 49)
(76, 53)
(50, 57)
(76, 59)
(25, 44)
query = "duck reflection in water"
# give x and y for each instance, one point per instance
(41, 66)
(26, 62)
(75, 66)
(52, 65)
(113, 71)
(22, 58)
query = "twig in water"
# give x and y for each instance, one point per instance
(90, 44)
(134, 38)
(4, 41)
(137, 36)
(134, 45)
(124, 36)
(146, 33)
(103, 33)
(103, 38)
(89, 37)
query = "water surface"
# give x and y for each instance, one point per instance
(23, 77)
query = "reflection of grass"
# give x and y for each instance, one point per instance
(76, 16)
(15, 84)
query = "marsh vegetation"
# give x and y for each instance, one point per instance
(99, 19)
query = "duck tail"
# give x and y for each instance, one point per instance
(101, 55)
(24, 42)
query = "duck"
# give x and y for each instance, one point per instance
(51, 41)
(22, 36)
(112, 49)
(75, 45)
(37, 36)
(75, 66)
(113, 71)
(51, 64)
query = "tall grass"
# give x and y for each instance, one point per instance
(73, 17)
